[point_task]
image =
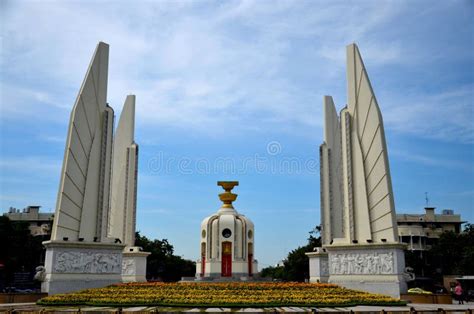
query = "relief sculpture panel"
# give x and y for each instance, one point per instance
(89, 263)
(362, 263)
(128, 267)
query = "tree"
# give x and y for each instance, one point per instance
(296, 265)
(161, 263)
(452, 254)
(274, 272)
(21, 252)
(467, 254)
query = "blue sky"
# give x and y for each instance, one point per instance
(233, 90)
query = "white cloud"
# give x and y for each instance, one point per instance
(22, 101)
(446, 115)
(434, 161)
(186, 67)
(257, 65)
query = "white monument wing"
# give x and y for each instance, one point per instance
(331, 191)
(78, 198)
(124, 179)
(371, 172)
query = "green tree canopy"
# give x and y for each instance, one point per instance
(296, 265)
(162, 264)
(453, 254)
(20, 251)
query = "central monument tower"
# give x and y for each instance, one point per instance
(227, 241)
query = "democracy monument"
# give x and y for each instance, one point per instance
(360, 248)
(93, 235)
(227, 242)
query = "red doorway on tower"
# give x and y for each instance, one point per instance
(226, 266)
(203, 259)
(250, 259)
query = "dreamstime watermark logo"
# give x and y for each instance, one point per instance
(273, 148)
(272, 162)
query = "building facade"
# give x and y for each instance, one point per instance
(40, 223)
(420, 231)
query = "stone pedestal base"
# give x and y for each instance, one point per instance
(134, 265)
(318, 265)
(72, 266)
(213, 269)
(376, 268)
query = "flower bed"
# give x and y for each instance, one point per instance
(220, 295)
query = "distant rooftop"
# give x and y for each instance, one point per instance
(29, 213)
(446, 216)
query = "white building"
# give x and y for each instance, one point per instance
(227, 241)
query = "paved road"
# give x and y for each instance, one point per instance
(423, 308)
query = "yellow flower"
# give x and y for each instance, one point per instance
(222, 294)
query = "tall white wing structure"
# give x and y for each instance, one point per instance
(331, 175)
(360, 248)
(95, 210)
(83, 197)
(357, 204)
(368, 138)
(124, 179)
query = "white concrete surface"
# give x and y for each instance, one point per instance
(123, 202)
(134, 265)
(356, 190)
(82, 204)
(318, 266)
(72, 266)
(453, 308)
